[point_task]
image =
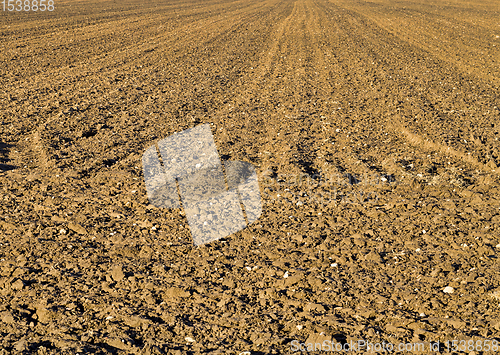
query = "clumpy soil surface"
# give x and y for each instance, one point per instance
(373, 127)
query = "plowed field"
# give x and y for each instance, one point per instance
(373, 127)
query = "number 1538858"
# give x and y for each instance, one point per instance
(28, 5)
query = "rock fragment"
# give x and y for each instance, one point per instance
(17, 285)
(117, 273)
(448, 289)
(75, 227)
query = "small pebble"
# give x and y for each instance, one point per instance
(189, 339)
(448, 289)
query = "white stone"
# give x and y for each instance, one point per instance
(448, 289)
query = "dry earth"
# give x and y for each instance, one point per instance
(390, 106)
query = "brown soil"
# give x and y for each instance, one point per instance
(391, 107)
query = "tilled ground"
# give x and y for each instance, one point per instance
(373, 126)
